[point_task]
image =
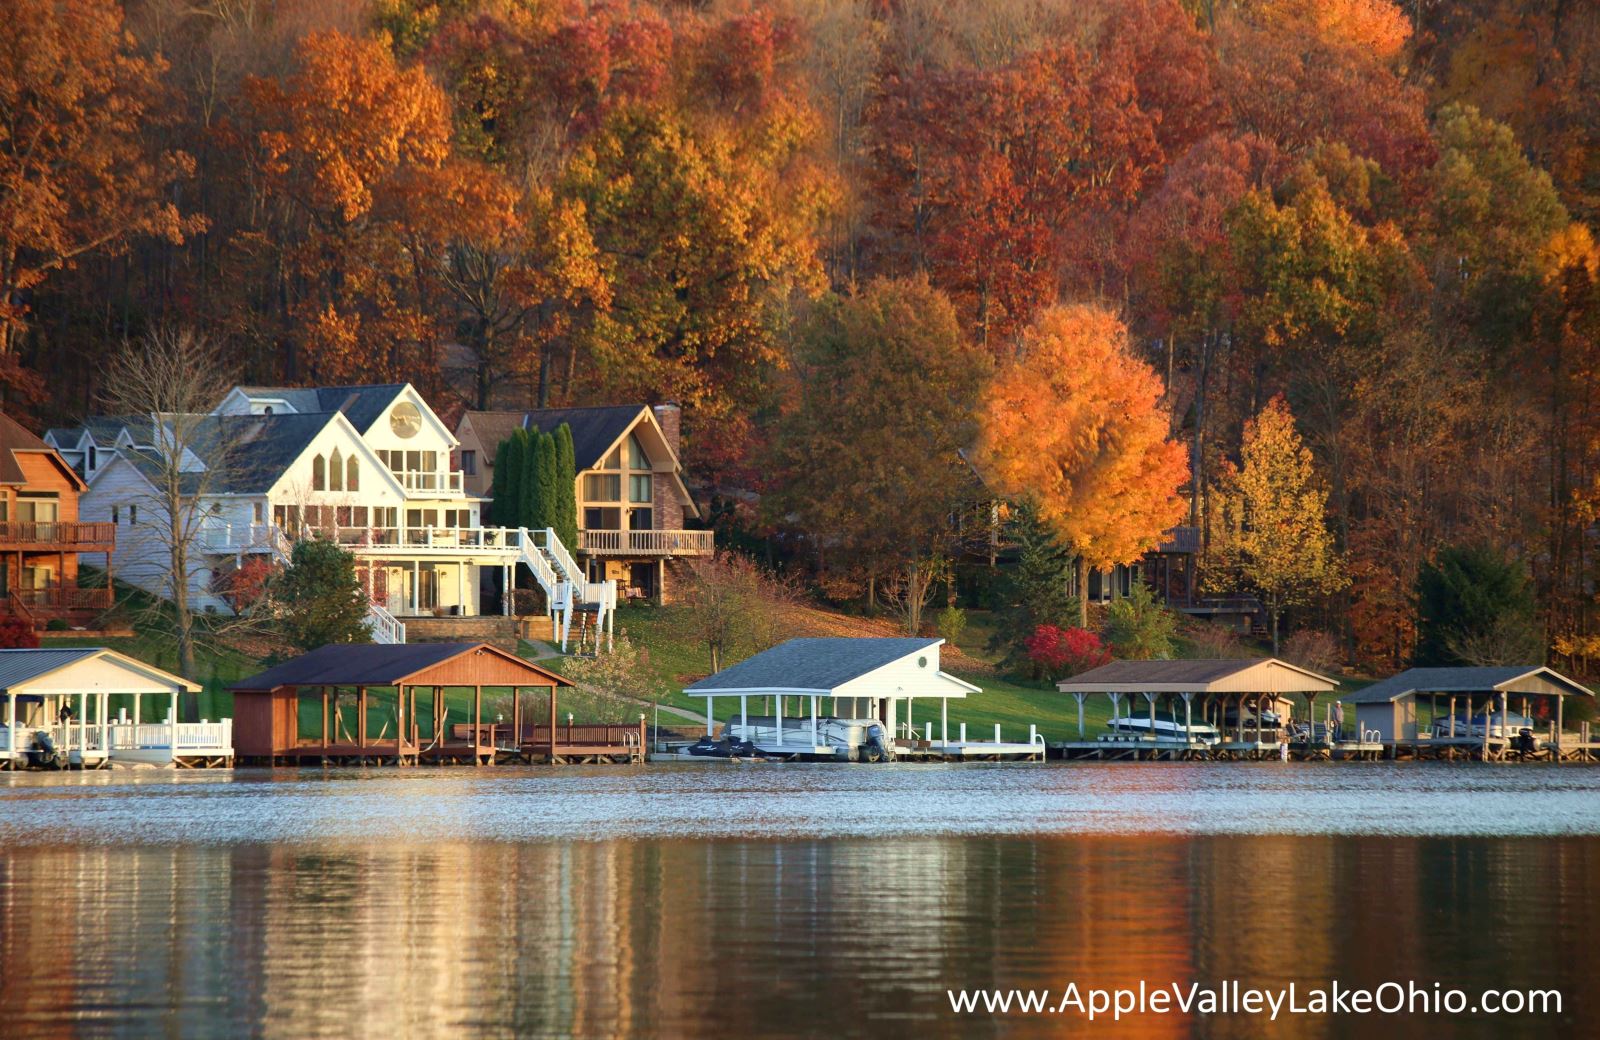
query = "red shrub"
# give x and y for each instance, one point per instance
(1059, 652)
(16, 633)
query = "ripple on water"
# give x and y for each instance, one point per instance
(721, 800)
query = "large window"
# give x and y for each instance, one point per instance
(469, 463)
(319, 474)
(602, 487)
(639, 485)
(352, 475)
(637, 459)
(336, 471)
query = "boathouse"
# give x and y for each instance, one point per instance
(59, 712)
(1388, 709)
(803, 689)
(401, 704)
(1211, 691)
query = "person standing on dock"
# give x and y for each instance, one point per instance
(1337, 719)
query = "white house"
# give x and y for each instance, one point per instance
(366, 466)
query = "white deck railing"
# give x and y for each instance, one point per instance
(429, 480)
(171, 736)
(648, 543)
(385, 627)
(222, 537)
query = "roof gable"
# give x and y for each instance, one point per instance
(17, 439)
(1261, 675)
(390, 664)
(1525, 678)
(19, 668)
(818, 665)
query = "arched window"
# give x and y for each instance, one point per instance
(352, 477)
(336, 471)
(319, 474)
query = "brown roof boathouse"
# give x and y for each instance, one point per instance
(410, 703)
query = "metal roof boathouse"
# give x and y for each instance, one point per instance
(89, 706)
(859, 682)
(1485, 726)
(359, 704)
(1231, 709)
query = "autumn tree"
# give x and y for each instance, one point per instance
(1270, 531)
(78, 174)
(868, 450)
(1073, 424)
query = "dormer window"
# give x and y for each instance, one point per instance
(336, 471)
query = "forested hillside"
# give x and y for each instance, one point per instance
(830, 228)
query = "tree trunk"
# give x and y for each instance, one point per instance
(1083, 591)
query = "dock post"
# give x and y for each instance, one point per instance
(1033, 732)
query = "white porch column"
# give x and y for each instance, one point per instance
(744, 717)
(416, 586)
(11, 721)
(710, 731)
(813, 720)
(461, 589)
(136, 717)
(505, 589)
(1188, 718)
(944, 720)
(1079, 698)
(911, 726)
(779, 718)
(83, 723)
(103, 714)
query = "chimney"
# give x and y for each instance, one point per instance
(669, 417)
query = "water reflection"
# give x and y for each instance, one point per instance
(798, 938)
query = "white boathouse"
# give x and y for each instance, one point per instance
(58, 711)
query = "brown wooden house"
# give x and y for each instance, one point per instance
(41, 537)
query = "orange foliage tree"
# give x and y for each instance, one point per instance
(1074, 424)
(77, 175)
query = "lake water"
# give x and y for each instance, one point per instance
(784, 900)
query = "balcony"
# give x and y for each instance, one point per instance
(436, 482)
(58, 535)
(56, 600)
(647, 543)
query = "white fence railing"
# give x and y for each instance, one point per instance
(648, 543)
(429, 480)
(385, 627)
(174, 736)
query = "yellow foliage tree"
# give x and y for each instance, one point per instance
(1269, 528)
(1073, 424)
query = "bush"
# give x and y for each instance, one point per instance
(1214, 642)
(1313, 649)
(1140, 629)
(1056, 653)
(56, 624)
(17, 634)
(321, 599)
(952, 622)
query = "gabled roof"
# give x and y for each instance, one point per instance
(594, 430)
(15, 439)
(818, 665)
(20, 667)
(243, 454)
(362, 405)
(1262, 675)
(1521, 678)
(379, 664)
